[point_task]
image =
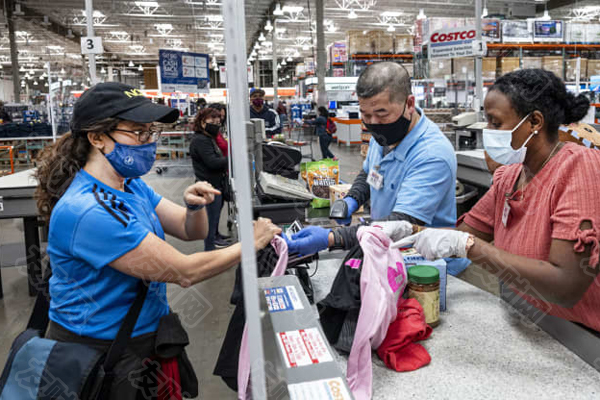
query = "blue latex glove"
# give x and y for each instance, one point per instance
(352, 207)
(309, 240)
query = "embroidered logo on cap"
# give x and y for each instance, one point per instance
(133, 93)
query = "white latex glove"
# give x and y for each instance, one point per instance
(434, 244)
(395, 230)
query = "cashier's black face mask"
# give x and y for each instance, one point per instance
(389, 134)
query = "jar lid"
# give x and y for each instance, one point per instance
(423, 274)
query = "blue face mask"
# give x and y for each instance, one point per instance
(132, 161)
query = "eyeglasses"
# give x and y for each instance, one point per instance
(151, 135)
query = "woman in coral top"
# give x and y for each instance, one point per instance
(543, 210)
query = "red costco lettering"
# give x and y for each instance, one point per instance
(452, 36)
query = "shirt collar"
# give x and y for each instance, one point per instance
(411, 138)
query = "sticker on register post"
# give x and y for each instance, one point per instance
(284, 298)
(303, 347)
(333, 388)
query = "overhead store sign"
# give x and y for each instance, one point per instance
(452, 42)
(91, 45)
(184, 72)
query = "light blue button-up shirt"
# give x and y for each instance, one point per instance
(419, 176)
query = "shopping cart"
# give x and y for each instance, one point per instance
(302, 136)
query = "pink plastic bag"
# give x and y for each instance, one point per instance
(382, 281)
(244, 361)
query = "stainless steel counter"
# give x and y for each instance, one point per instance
(472, 168)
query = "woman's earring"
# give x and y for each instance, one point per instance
(535, 132)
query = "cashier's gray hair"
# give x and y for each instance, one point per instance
(378, 77)
(58, 164)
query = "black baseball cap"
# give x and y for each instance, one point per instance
(117, 100)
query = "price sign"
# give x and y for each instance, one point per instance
(91, 45)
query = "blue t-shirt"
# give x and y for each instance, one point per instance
(419, 176)
(91, 226)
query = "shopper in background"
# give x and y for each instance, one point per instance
(107, 229)
(210, 165)
(542, 212)
(4, 116)
(201, 103)
(258, 109)
(282, 112)
(222, 240)
(325, 138)
(409, 174)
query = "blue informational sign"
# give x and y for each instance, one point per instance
(283, 298)
(184, 72)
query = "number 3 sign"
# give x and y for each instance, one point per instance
(91, 45)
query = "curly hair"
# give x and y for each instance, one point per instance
(534, 89)
(59, 163)
(203, 115)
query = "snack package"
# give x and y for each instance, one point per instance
(319, 176)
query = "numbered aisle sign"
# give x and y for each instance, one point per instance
(91, 45)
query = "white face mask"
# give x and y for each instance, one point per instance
(497, 143)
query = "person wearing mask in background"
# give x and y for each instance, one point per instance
(107, 229)
(409, 173)
(222, 240)
(4, 116)
(210, 165)
(258, 109)
(325, 138)
(282, 112)
(542, 212)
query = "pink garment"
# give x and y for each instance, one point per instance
(382, 281)
(222, 144)
(244, 361)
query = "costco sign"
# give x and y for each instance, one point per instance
(452, 42)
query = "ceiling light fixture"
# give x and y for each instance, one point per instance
(46, 84)
(546, 16)
(283, 63)
(289, 59)
(35, 83)
(261, 38)
(69, 34)
(421, 14)
(22, 69)
(278, 11)
(140, 68)
(131, 65)
(305, 47)
(102, 70)
(62, 71)
(352, 15)
(391, 28)
(268, 26)
(484, 13)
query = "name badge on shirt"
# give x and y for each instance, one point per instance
(505, 213)
(375, 179)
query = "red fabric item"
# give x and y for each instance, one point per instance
(562, 195)
(169, 382)
(222, 143)
(399, 350)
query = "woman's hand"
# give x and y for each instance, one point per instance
(200, 194)
(264, 231)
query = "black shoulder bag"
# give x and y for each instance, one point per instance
(39, 368)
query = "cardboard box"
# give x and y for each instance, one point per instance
(412, 258)
(572, 65)
(386, 43)
(593, 67)
(488, 68)
(364, 149)
(404, 44)
(509, 64)
(440, 69)
(532, 62)
(463, 64)
(364, 43)
(554, 64)
(338, 192)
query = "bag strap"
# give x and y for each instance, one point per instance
(120, 343)
(39, 318)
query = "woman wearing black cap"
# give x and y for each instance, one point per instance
(107, 227)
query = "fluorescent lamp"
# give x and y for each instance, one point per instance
(148, 4)
(292, 9)
(278, 11)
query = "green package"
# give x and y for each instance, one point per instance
(319, 176)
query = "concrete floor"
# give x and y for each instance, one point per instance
(207, 302)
